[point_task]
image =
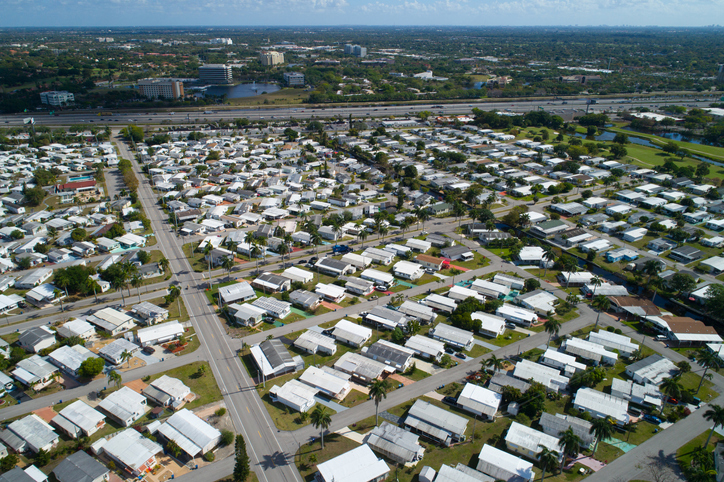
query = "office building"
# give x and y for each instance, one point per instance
(355, 50)
(56, 98)
(271, 59)
(161, 88)
(215, 74)
(294, 79)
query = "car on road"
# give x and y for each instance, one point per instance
(301, 261)
(652, 418)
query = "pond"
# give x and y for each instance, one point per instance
(241, 90)
(674, 136)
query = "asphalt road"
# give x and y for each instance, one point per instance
(267, 113)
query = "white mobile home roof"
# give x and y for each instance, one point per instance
(332, 382)
(295, 394)
(460, 293)
(377, 276)
(162, 331)
(440, 302)
(479, 400)
(351, 331)
(516, 313)
(613, 341)
(358, 465)
(452, 334)
(491, 323)
(489, 288)
(357, 260)
(550, 377)
(192, 434)
(502, 465)
(424, 345)
(602, 403)
(589, 350)
(298, 274)
(124, 404)
(417, 310)
(132, 448)
(311, 341)
(563, 359)
(529, 439)
(80, 415)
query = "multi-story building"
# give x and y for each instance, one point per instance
(222, 41)
(355, 50)
(271, 58)
(215, 74)
(294, 79)
(163, 88)
(56, 98)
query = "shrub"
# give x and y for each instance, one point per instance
(209, 456)
(618, 331)
(220, 412)
(227, 437)
(610, 328)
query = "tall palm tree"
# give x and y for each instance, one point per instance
(548, 256)
(228, 265)
(378, 390)
(207, 254)
(708, 360)
(600, 303)
(603, 428)
(552, 326)
(459, 211)
(494, 362)
(164, 264)
(655, 284)
(59, 295)
(596, 281)
(715, 414)
(115, 378)
(92, 285)
(321, 419)
(652, 268)
(671, 387)
(547, 459)
(570, 443)
(136, 282)
(283, 249)
(362, 236)
(126, 357)
(117, 284)
(316, 239)
(255, 252)
(423, 216)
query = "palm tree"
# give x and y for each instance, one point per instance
(600, 303)
(652, 268)
(207, 254)
(228, 265)
(136, 282)
(708, 360)
(255, 252)
(548, 256)
(363, 235)
(671, 387)
(570, 443)
(552, 326)
(603, 429)
(378, 390)
(423, 216)
(91, 284)
(596, 281)
(117, 284)
(164, 264)
(59, 295)
(283, 249)
(547, 459)
(115, 378)
(655, 284)
(459, 211)
(714, 414)
(572, 299)
(126, 357)
(495, 363)
(321, 419)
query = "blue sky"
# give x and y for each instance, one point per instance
(17, 13)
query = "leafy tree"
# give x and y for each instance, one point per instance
(227, 437)
(91, 367)
(378, 390)
(79, 234)
(35, 195)
(9, 462)
(42, 458)
(134, 133)
(17, 234)
(714, 303)
(532, 284)
(397, 335)
(144, 257)
(44, 177)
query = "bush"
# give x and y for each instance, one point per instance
(618, 331)
(610, 328)
(209, 456)
(220, 412)
(227, 437)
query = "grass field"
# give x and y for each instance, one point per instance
(712, 152)
(280, 97)
(202, 384)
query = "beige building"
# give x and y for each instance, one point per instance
(271, 58)
(161, 88)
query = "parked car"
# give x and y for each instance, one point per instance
(450, 401)
(510, 326)
(652, 419)
(460, 355)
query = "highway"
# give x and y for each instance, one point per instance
(121, 118)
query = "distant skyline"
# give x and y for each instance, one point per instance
(149, 13)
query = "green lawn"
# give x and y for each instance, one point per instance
(712, 152)
(195, 258)
(683, 455)
(508, 338)
(203, 385)
(176, 311)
